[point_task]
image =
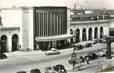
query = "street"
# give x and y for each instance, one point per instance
(40, 61)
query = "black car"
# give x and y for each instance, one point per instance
(88, 45)
(95, 41)
(91, 56)
(79, 46)
(60, 68)
(3, 56)
(102, 41)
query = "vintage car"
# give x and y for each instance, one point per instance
(53, 51)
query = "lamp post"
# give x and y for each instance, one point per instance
(0, 46)
(109, 41)
(109, 49)
(73, 57)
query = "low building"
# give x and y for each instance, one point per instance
(89, 26)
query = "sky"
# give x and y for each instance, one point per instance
(90, 4)
(87, 4)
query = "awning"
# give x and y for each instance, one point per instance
(54, 38)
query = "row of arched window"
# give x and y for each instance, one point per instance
(84, 34)
(4, 43)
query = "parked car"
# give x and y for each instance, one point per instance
(60, 68)
(79, 46)
(53, 51)
(35, 71)
(95, 41)
(91, 56)
(3, 56)
(102, 41)
(21, 72)
(102, 53)
(88, 45)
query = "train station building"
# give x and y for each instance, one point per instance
(46, 27)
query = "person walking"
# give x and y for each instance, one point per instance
(87, 59)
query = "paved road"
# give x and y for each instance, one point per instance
(16, 63)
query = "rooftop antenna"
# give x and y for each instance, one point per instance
(86, 4)
(81, 8)
(74, 6)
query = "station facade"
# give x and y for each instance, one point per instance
(46, 27)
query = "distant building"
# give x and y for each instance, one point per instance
(88, 25)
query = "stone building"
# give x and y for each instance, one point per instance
(46, 27)
(40, 27)
(9, 39)
(89, 26)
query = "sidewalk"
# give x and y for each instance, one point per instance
(98, 46)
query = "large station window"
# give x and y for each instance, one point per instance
(101, 32)
(15, 43)
(90, 34)
(71, 32)
(96, 33)
(77, 35)
(84, 37)
(3, 44)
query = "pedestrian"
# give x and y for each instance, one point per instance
(87, 59)
(82, 59)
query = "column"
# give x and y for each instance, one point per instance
(54, 22)
(47, 22)
(87, 30)
(43, 23)
(98, 32)
(9, 43)
(80, 35)
(57, 23)
(39, 18)
(60, 23)
(93, 33)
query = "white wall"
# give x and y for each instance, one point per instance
(20, 17)
(27, 29)
(31, 38)
(11, 17)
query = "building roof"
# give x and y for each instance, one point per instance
(9, 28)
(89, 22)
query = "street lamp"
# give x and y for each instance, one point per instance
(0, 46)
(109, 41)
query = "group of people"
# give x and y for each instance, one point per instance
(86, 58)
